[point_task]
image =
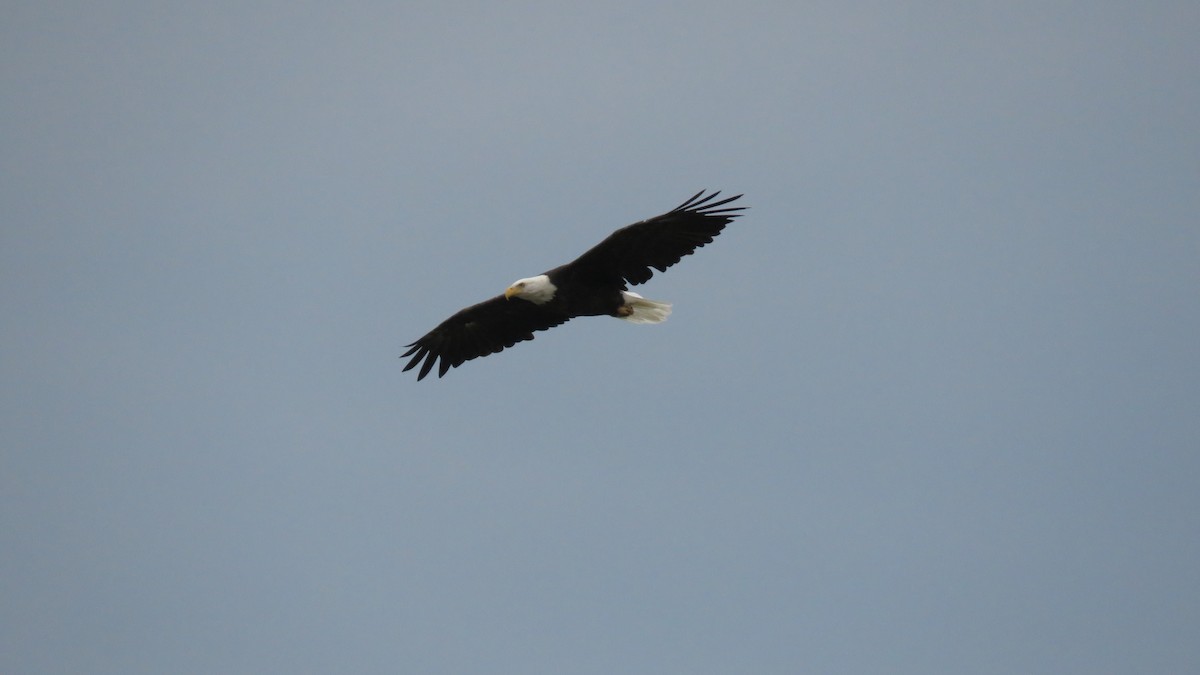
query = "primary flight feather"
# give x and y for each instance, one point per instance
(594, 284)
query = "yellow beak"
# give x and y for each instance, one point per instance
(511, 291)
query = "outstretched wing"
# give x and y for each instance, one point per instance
(479, 330)
(658, 242)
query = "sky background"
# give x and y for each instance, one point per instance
(931, 406)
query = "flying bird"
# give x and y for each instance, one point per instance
(594, 284)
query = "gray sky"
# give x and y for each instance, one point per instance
(932, 406)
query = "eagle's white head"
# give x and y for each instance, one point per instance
(537, 290)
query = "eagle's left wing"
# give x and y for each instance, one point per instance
(479, 330)
(659, 242)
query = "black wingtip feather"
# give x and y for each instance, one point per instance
(430, 359)
(694, 201)
(700, 198)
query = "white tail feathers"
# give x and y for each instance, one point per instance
(640, 310)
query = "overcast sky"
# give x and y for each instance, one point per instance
(931, 406)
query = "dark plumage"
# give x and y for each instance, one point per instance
(593, 284)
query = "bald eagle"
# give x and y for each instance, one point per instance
(594, 284)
